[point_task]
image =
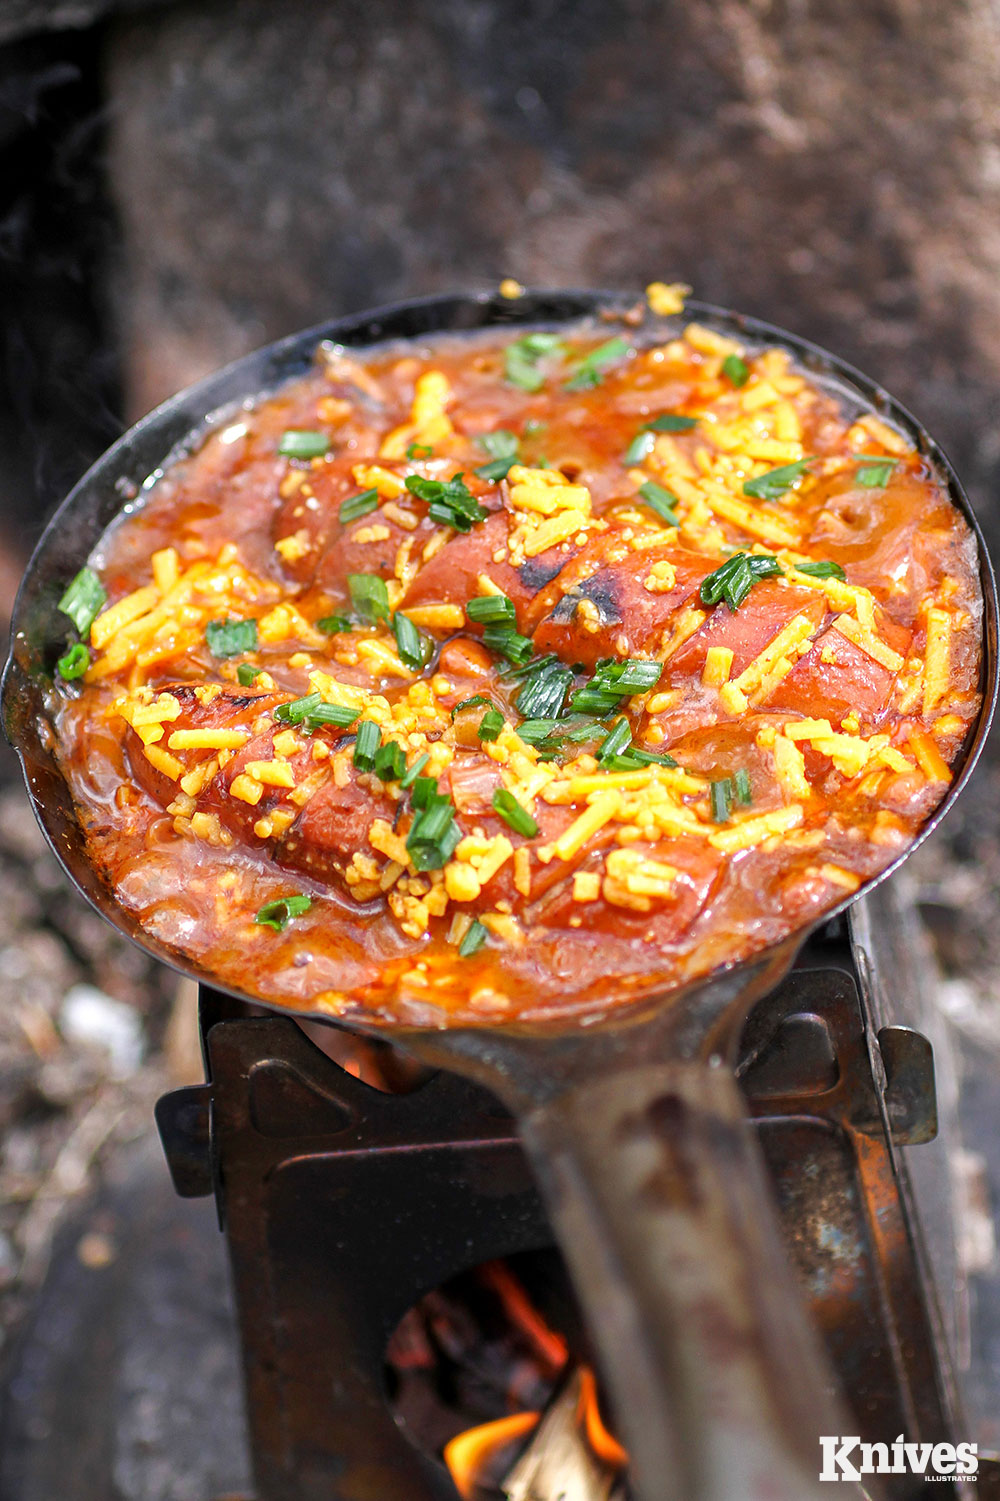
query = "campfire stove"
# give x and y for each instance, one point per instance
(343, 1205)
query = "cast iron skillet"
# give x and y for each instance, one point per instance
(633, 1120)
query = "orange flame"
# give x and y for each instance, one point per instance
(466, 1454)
(588, 1415)
(549, 1346)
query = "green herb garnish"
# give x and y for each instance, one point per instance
(734, 579)
(83, 600)
(661, 501)
(231, 637)
(366, 745)
(413, 646)
(520, 366)
(616, 741)
(449, 501)
(332, 625)
(301, 443)
(471, 703)
(613, 680)
(369, 596)
(737, 370)
(424, 792)
(742, 788)
(246, 673)
(475, 937)
(279, 914)
(721, 799)
(513, 815)
(311, 712)
(774, 484)
(640, 447)
(390, 761)
(544, 689)
(590, 370)
(434, 833)
(490, 725)
(419, 450)
(409, 777)
(502, 448)
(825, 569)
(672, 422)
(503, 639)
(358, 505)
(74, 663)
(491, 609)
(874, 472)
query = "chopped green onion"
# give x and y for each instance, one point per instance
(475, 937)
(651, 758)
(419, 450)
(661, 501)
(487, 609)
(612, 681)
(300, 443)
(74, 663)
(412, 645)
(390, 761)
(358, 505)
(449, 501)
(367, 744)
(516, 817)
(332, 625)
(590, 370)
(496, 470)
(734, 579)
(311, 712)
(617, 740)
(490, 725)
(640, 447)
(825, 569)
(543, 734)
(230, 637)
(521, 360)
(544, 689)
(672, 422)
(737, 370)
(246, 672)
(278, 914)
(424, 792)
(471, 703)
(410, 776)
(773, 484)
(369, 596)
(501, 444)
(433, 834)
(505, 640)
(83, 600)
(721, 799)
(874, 473)
(742, 788)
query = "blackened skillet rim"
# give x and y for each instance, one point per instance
(114, 482)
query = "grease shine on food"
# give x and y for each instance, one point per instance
(513, 673)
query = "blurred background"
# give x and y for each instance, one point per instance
(180, 183)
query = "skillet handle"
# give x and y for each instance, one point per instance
(662, 1208)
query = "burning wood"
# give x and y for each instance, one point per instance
(570, 1455)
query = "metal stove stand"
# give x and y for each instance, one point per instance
(342, 1205)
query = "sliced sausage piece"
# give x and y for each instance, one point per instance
(600, 605)
(228, 709)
